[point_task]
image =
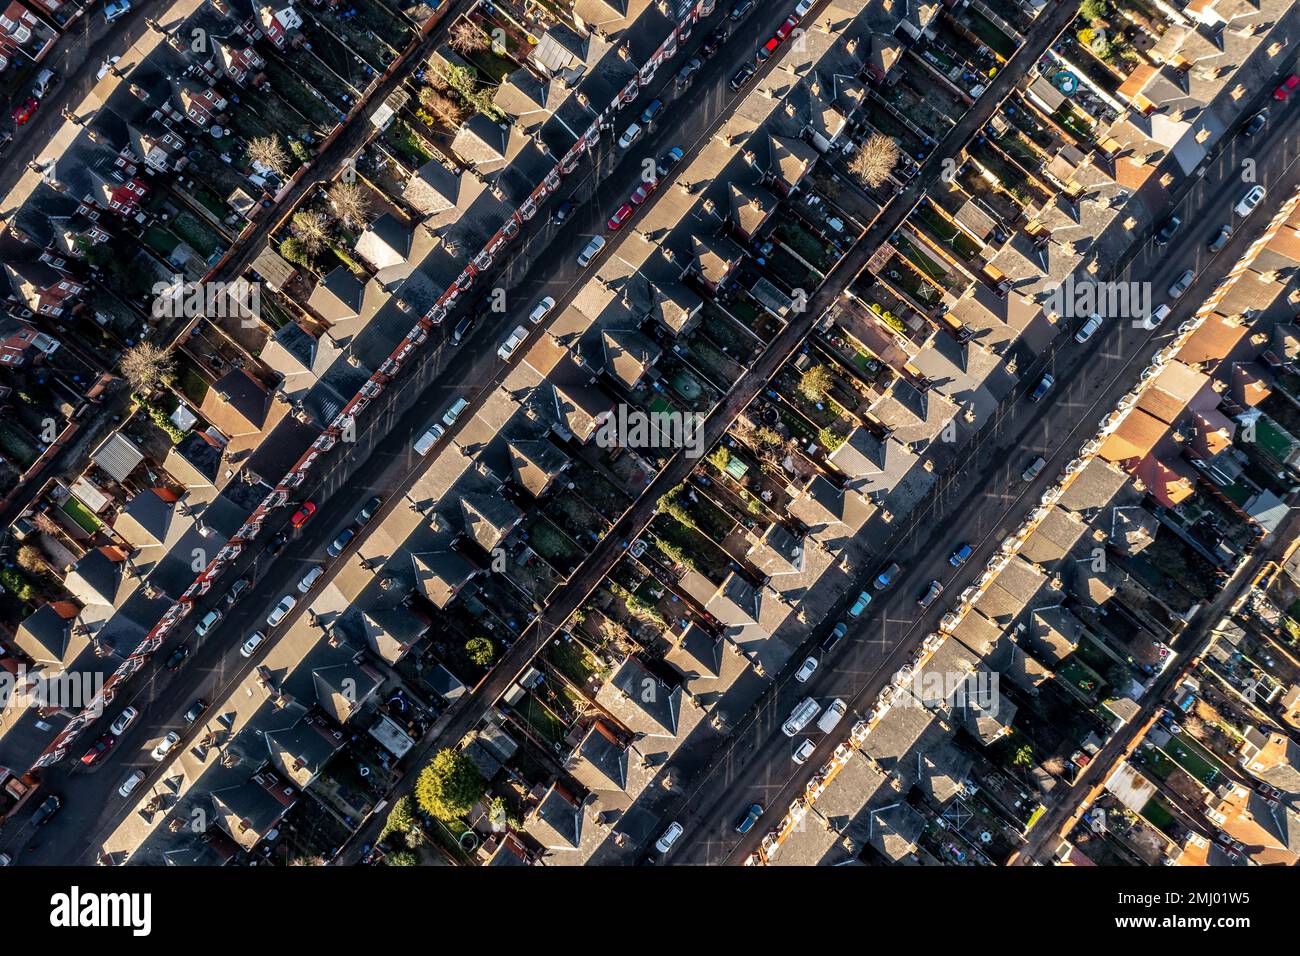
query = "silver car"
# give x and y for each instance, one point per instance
(1182, 283)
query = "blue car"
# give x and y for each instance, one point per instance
(115, 9)
(750, 818)
(860, 604)
(1042, 388)
(960, 556)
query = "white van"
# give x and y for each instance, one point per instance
(834, 712)
(428, 440)
(800, 716)
(509, 346)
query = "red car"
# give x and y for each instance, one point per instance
(1289, 84)
(643, 192)
(302, 514)
(97, 752)
(623, 214)
(24, 110)
(784, 29)
(768, 49)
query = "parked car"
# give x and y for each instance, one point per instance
(713, 42)
(767, 49)
(1287, 85)
(421, 446)
(303, 514)
(1160, 313)
(1249, 201)
(343, 540)
(368, 510)
(652, 111)
(563, 211)
(1042, 388)
(784, 29)
(860, 604)
(452, 415)
(837, 634)
(961, 556)
(196, 711)
(688, 71)
(930, 595)
(806, 669)
(1182, 283)
(741, 10)
(591, 250)
(1034, 468)
(621, 215)
(886, 577)
(831, 717)
(668, 160)
(541, 310)
(178, 656)
(309, 579)
(165, 746)
(252, 644)
(46, 80)
(746, 822)
(210, 620)
(115, 9)
(98, 750)
(130, 783)
(802, 7)
(21, 113)
(124, 720)
(512, 342)
(804, 751)
(643, 192)
(1088, 328)
(1220, 239)
(1255, 123)
(742, 76)
(281, 610)
(237, 590)
(630, 136)
(461, 330)
(277, 543)
(46, 810)
(1168, 230)
(665, 842)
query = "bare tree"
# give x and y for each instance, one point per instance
(467, 37)
(144, 366)
(350, 202)
(875, 159)
(312, 229)
(268, 151)
(436, 99)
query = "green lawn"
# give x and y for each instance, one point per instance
(81, 514)
(1192, 758)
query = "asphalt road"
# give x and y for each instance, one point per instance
(983, 502)
(92, 807)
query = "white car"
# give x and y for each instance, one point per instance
(510, 345)
(309, 579)
(287, 604)
(665, 842)
(630, 136)
(591, 251)
(428, 439)
(252, 644)
(1249, 201)
(124, 720)
(210, 620)
(539, 312)
(1088, 328)
(803, 751)
(130, 783)
(806, 669)
(453, 413)
(166, 745)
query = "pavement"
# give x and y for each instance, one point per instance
(380, 462)
(983, 502)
